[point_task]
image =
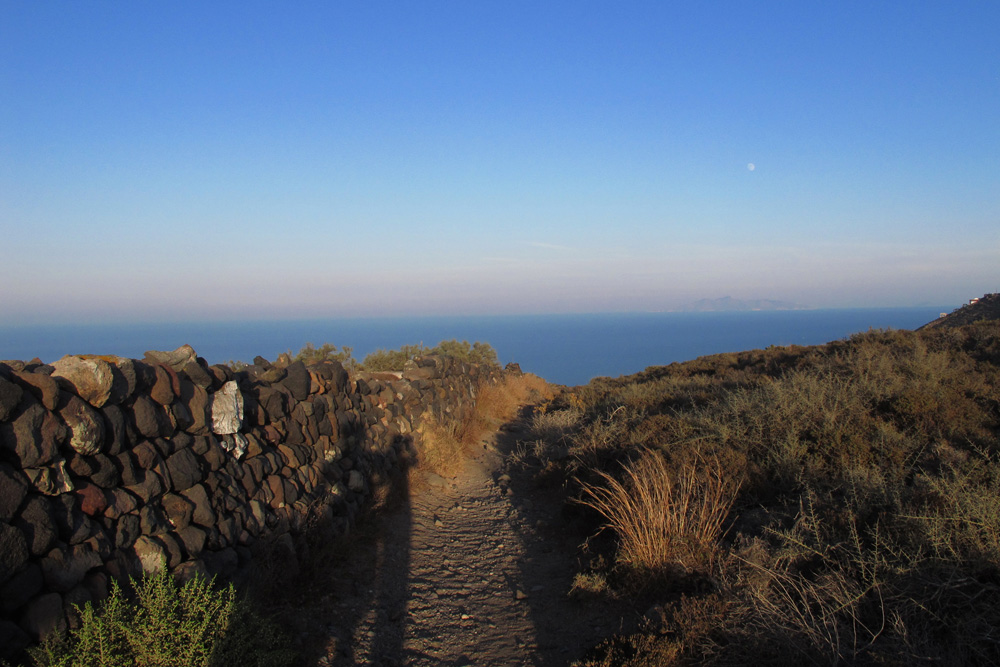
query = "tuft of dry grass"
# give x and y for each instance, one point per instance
(664, 520)
(443, 445)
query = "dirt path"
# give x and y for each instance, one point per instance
(473, 570)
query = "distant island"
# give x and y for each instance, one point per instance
(728, 303)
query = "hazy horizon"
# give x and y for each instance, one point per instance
(245, 161)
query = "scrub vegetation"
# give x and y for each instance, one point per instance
(442, 446)
(393, 360)
(796, 505)
(162, 623)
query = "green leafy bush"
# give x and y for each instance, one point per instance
(166, 625)
(310, 354)
(394, 360)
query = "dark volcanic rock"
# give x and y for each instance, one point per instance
(10, 396)
(32, 438)
(43, 387)
(13, 489)
(297, 380)
(13, 551)
(184, 469)
(36, 522)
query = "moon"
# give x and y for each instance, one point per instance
(751, 166)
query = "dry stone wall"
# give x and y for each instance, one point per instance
(110, 467)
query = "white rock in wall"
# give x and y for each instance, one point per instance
(227, 409)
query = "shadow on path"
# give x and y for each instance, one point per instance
(471, 570)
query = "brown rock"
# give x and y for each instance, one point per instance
(151, 487)
(189, 570)
(10, 397)
(85, 424)
(181, 416)
(125, 378)
(21, 587)
(120, 502)
(146, 454)
(13, 489)
(152, 520)
(64, 569)
(197, 373)
(92, 498)
(105, 474)
(215, 456)
(163, 391)
(43, 387)
(43, 616)
(174, 547)
(255, 446)
(73, 602)
(118, 436)
(198, 402)
(274, 401)
(297, 380)
(203, 514)
(148, 419)
(90, 378)
(74, 526)
(13, 551)
(193, 539)
(97, 583)
(277, 488)
(128, 528)
(36, 523)
(185, 470)
(129, 468)
(24, 437)
(179, 510)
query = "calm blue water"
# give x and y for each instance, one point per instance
(567, 349)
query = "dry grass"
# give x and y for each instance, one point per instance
(664, 520)
(442, 446)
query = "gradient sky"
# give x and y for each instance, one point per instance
(259, 159)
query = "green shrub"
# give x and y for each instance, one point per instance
(310, 354)
(394, 360)
(166, 625)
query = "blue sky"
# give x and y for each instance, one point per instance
(217, 160)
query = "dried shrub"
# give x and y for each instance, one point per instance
(664, 519)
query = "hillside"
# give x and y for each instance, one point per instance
(834, 504)
(986, 307)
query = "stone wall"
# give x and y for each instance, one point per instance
(110, 467)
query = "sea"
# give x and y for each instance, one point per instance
(564, 349)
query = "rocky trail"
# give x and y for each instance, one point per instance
(473, 570)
